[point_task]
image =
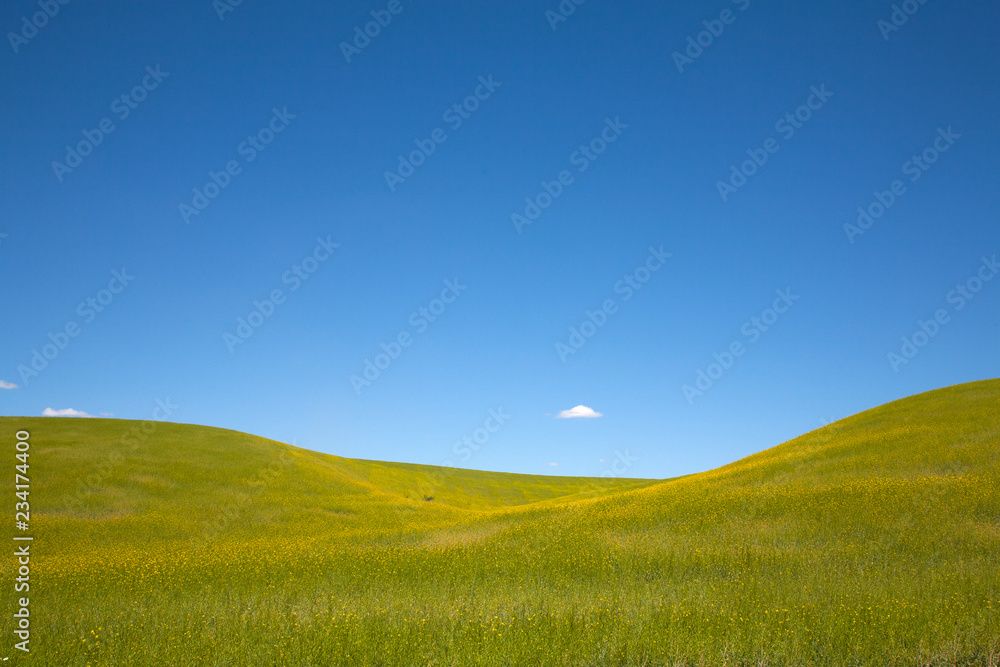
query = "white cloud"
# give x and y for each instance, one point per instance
(68, 412)
(7, 385)
(579, 412)
(107, 414)
(552, 464)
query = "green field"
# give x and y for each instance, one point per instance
(872, 541)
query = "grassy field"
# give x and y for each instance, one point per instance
(872, 541)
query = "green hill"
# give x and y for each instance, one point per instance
(872, 541)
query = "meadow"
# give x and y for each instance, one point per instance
(872, 541)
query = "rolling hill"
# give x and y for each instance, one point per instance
(872, 541)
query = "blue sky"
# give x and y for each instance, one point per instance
(597, 119)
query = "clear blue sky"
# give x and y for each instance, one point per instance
(608, 70)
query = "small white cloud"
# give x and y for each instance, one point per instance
(7, 385)
(579, 412)
(68, 412)
(107, 414)
(552, 464)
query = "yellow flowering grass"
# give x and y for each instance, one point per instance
(872, 541)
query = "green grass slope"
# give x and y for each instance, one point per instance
(872, 541)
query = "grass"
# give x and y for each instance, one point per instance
(872, 541)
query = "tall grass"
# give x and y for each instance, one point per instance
(873, 541)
